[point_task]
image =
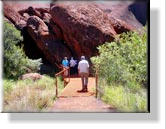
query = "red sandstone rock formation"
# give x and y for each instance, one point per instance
(84, 26)
(71, 28)
(13, 16)
(119, 14)
(38, 24)
(51, 46)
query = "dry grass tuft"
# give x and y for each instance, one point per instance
(29, 95)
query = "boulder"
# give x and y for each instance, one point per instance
(53, 48)
(19, 11)
(33, 76)
(30, 11)
(84, 26)
(14, 16)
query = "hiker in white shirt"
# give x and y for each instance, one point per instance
(83, 70)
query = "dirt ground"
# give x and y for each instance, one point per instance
(72, 101)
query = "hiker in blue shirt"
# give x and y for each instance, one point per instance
(65, 64)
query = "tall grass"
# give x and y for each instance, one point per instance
(124, 99)
(30, 96)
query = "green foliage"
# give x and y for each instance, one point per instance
(16, 62)
(8, 85)
(122, 69)
(124, 61)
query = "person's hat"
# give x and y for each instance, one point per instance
(83, 57)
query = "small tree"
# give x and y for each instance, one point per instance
(124, 61)
(15, 62)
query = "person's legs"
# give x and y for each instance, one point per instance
(82, 79)
(66, 72)
(86, 81)
(71, 70)
(74, 70)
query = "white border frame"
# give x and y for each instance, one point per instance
(153, 120)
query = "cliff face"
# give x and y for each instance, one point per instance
(71, 28)
(84, 26)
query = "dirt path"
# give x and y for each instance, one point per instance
(72, 101)
(75, 84)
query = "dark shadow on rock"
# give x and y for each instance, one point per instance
(30, 47)
(48, 69)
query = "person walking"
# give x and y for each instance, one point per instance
(76, 67)
(72, 65)
(65, 64)
(83, 70)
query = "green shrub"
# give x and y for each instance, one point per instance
(124, 61)
(15, 61)
(122, 69)
(8, 85)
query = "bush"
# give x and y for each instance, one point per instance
(122, 69)
(16, 62)
(8, 85)
(124, 61)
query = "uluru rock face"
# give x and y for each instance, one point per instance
(38, 26)
(47, 42)
(13, 16)
(84, 26)
(71, 28)
(121, 17)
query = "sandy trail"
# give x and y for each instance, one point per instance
(72, 101)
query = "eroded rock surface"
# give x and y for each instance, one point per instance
(50, 45)
(84, 26)
(72, 28)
